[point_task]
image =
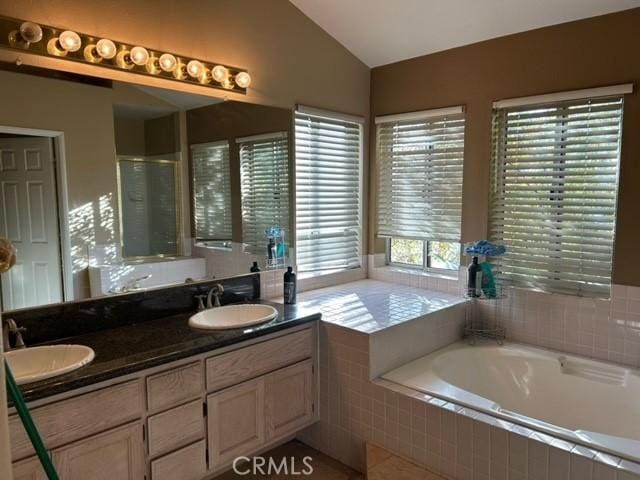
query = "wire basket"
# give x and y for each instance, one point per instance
(482, 318)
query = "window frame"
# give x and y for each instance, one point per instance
(334, 116)
(562, 102)
(426, 258)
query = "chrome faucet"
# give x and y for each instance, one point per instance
(9, 326)
(216, 291)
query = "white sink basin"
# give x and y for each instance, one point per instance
(232, 316)
(37, 363)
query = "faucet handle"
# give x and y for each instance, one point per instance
(19, 340)
(13, 328)
(201, 302)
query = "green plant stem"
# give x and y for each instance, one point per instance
(29, 426)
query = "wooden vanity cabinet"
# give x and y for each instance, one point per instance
(289, 404)
(248, 416)
(236, 421)
(28, 469)
(117, 454)
(187, 463)
(184, 422)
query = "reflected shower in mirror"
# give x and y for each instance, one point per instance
(111, 187)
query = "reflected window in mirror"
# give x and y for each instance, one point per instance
(149, 212)
(264, 177)
(211, 193)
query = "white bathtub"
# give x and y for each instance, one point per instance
(584, 401)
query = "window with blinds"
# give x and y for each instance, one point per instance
(264, 181)
(554, 190)
(211, 191)
(328, 198)
(420, 160)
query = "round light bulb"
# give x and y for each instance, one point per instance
(70, 41)
(195, 68)
(106, 48)
(219, 73)
(167, 62)
(243, 79)
(31, 32)
(139, 55)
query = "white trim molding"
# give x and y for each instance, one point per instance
(264, 136)
(319, 112)
(598, 92)
(420, 115)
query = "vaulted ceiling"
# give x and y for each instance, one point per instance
(379, 32)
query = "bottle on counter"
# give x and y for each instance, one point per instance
(290, 286)
(472, 278)
(256, 279)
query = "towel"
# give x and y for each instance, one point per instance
(484, 248)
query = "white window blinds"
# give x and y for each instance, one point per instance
(264, 181)
(420, 160)
(328, 169)
(211, 191)
(554, 189)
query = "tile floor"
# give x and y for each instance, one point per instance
(383, 465)
(324, 467)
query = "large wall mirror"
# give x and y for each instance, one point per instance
(111, 187)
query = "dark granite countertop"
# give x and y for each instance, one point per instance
(138, 346)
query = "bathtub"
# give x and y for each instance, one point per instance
(580, 400)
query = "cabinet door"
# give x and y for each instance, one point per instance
(236, 422)
(188, 463)
(29, 469)
(114, 455)
(289, 399)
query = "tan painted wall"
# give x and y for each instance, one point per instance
(588, 53)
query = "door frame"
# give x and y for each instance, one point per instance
(62, 194)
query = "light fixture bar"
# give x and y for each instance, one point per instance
(70, 45)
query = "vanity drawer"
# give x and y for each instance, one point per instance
(188, 463)
(176, 427)
(77, 417)
(172, 387)
(239, 365)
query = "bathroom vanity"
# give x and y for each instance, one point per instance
(182, 420)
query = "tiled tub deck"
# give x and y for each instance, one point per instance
(458, 443)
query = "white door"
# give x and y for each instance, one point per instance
(29, 218)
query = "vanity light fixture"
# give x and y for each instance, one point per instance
(106, 48)
(167, 62)
(195, 69)
(139, 55)
(70, 41)
(243, 79)
(219, 73)
(30, 32)
(78, 47)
